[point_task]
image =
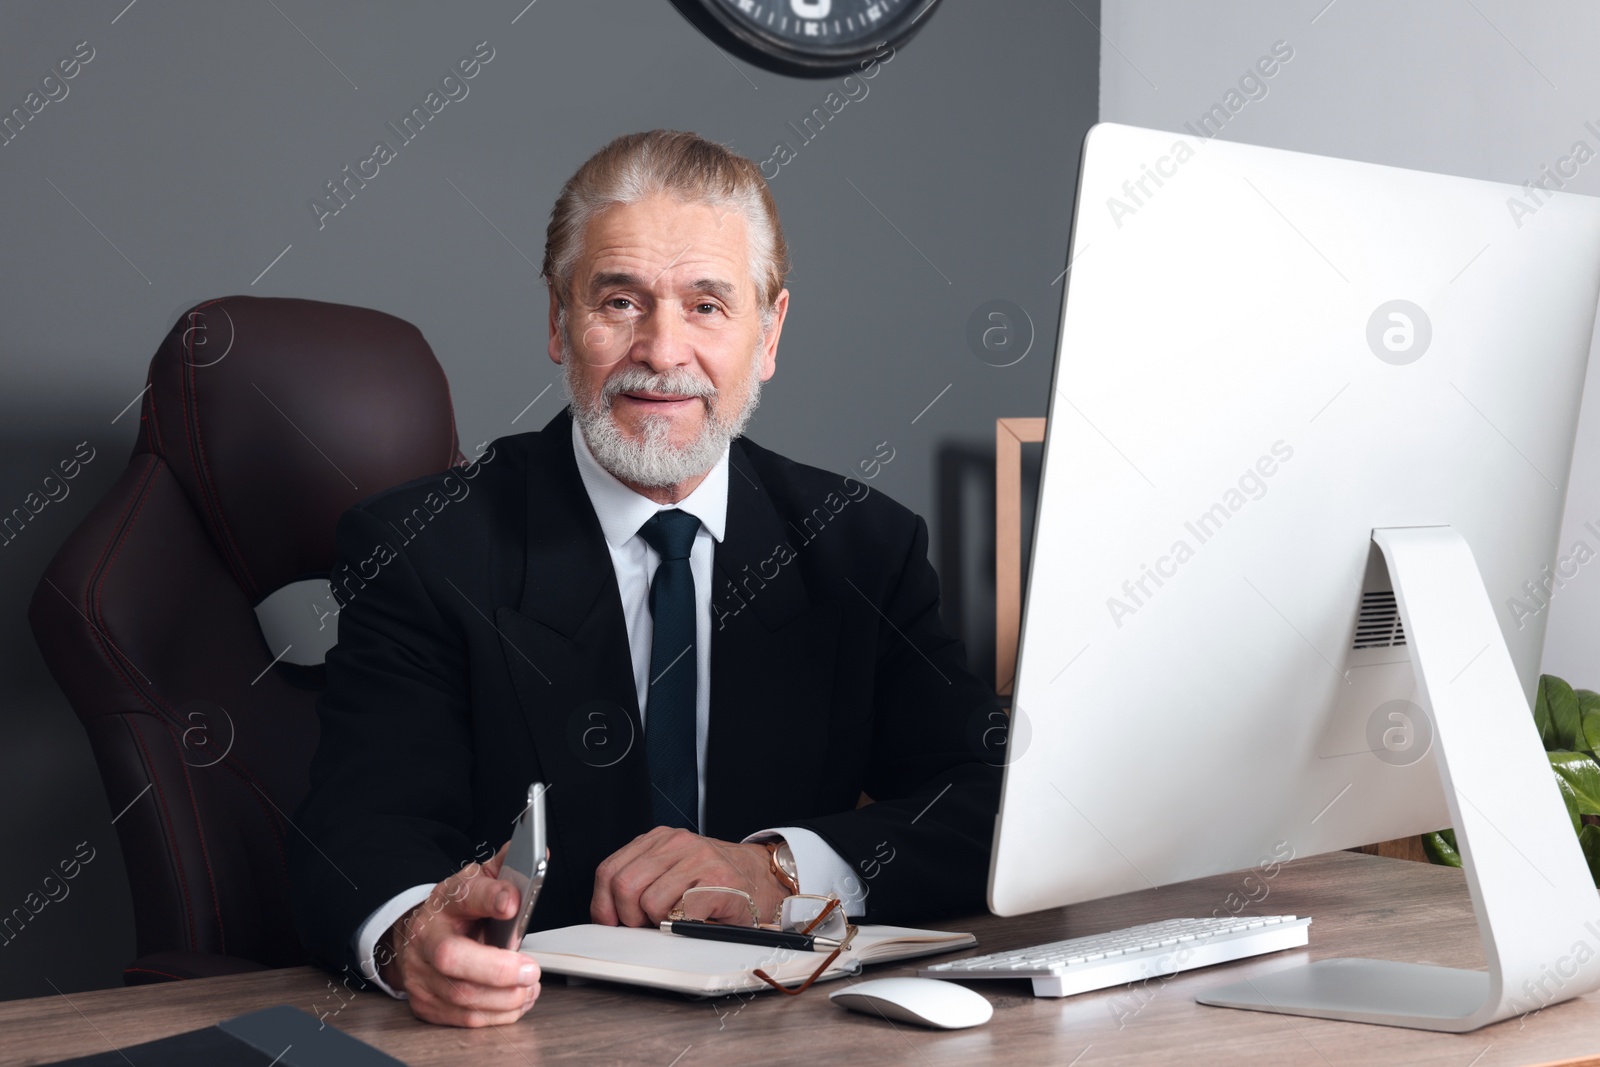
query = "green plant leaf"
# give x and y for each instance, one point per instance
(1578, 777)
(1566, 731)
(1589, 718)
(1589, 841)
(1441, 848)
(1570, 799)
(1541, 713)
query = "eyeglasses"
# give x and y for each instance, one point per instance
(821, 917)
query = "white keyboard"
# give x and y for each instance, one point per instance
(1063, 968)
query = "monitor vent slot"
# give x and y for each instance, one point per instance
(1379, 623)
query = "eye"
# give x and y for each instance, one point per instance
(707, 304)
(614, 301)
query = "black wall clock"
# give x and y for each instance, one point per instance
(807, 38)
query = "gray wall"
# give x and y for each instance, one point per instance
(1494, 89)
(179, 166)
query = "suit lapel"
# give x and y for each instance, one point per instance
(772, 658)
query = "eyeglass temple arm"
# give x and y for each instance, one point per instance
(802, 987)
(850, 936)
(823, 914)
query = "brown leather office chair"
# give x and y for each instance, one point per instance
(262, 421)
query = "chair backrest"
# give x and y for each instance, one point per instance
(263, 420)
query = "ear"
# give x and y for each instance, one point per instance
(554, 345)
(769, 357)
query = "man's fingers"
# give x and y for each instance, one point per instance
(703, 867)
(494, 863)
(631, 882)
(487, 999)
(664, 892)
(458, 981)
(603, 908)
(462, 959)
(464, 1005)
(476, 894)
(633, 886)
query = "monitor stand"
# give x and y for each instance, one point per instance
(1537, 908)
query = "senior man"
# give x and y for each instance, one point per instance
(728, 667)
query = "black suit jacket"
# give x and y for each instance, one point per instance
(482, 647)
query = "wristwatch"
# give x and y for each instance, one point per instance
(782, 862)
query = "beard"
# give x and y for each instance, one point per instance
(651, 459)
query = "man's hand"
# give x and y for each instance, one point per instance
(641, 882)
(437, 956)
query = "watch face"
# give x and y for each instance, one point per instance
(785, 859)
(808, 37)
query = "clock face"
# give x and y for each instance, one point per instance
(808, 37)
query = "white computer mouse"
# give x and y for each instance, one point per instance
(923, 1001)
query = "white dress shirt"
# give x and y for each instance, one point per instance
(622, 512)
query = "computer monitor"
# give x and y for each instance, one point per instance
(1308, 445)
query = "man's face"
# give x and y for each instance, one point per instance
(664, 324)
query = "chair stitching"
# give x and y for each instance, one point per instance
(272, 823)
(166, 825)
(96, 581)
(149, 416)
(208, 488)
(205, 854)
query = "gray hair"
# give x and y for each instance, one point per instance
(686, 167)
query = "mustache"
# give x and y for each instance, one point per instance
(679, 381)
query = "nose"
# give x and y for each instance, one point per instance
(661, 340)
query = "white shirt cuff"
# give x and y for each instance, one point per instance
(377, 925)
(819, 869)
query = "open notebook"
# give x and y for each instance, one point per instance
(649, 957)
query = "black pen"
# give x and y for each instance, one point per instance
(747, 935)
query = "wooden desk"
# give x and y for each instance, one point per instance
(1363, 905)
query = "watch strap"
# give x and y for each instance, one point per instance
(787, 880)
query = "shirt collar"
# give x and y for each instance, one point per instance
(622, 511)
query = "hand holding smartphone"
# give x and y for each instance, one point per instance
(524, 868)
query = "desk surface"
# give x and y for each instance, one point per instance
(1363, 905)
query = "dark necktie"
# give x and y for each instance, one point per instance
(670, 709)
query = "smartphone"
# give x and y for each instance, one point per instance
(524, 867)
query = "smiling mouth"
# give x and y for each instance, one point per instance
(658, 398)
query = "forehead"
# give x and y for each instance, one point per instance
(660, 234)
